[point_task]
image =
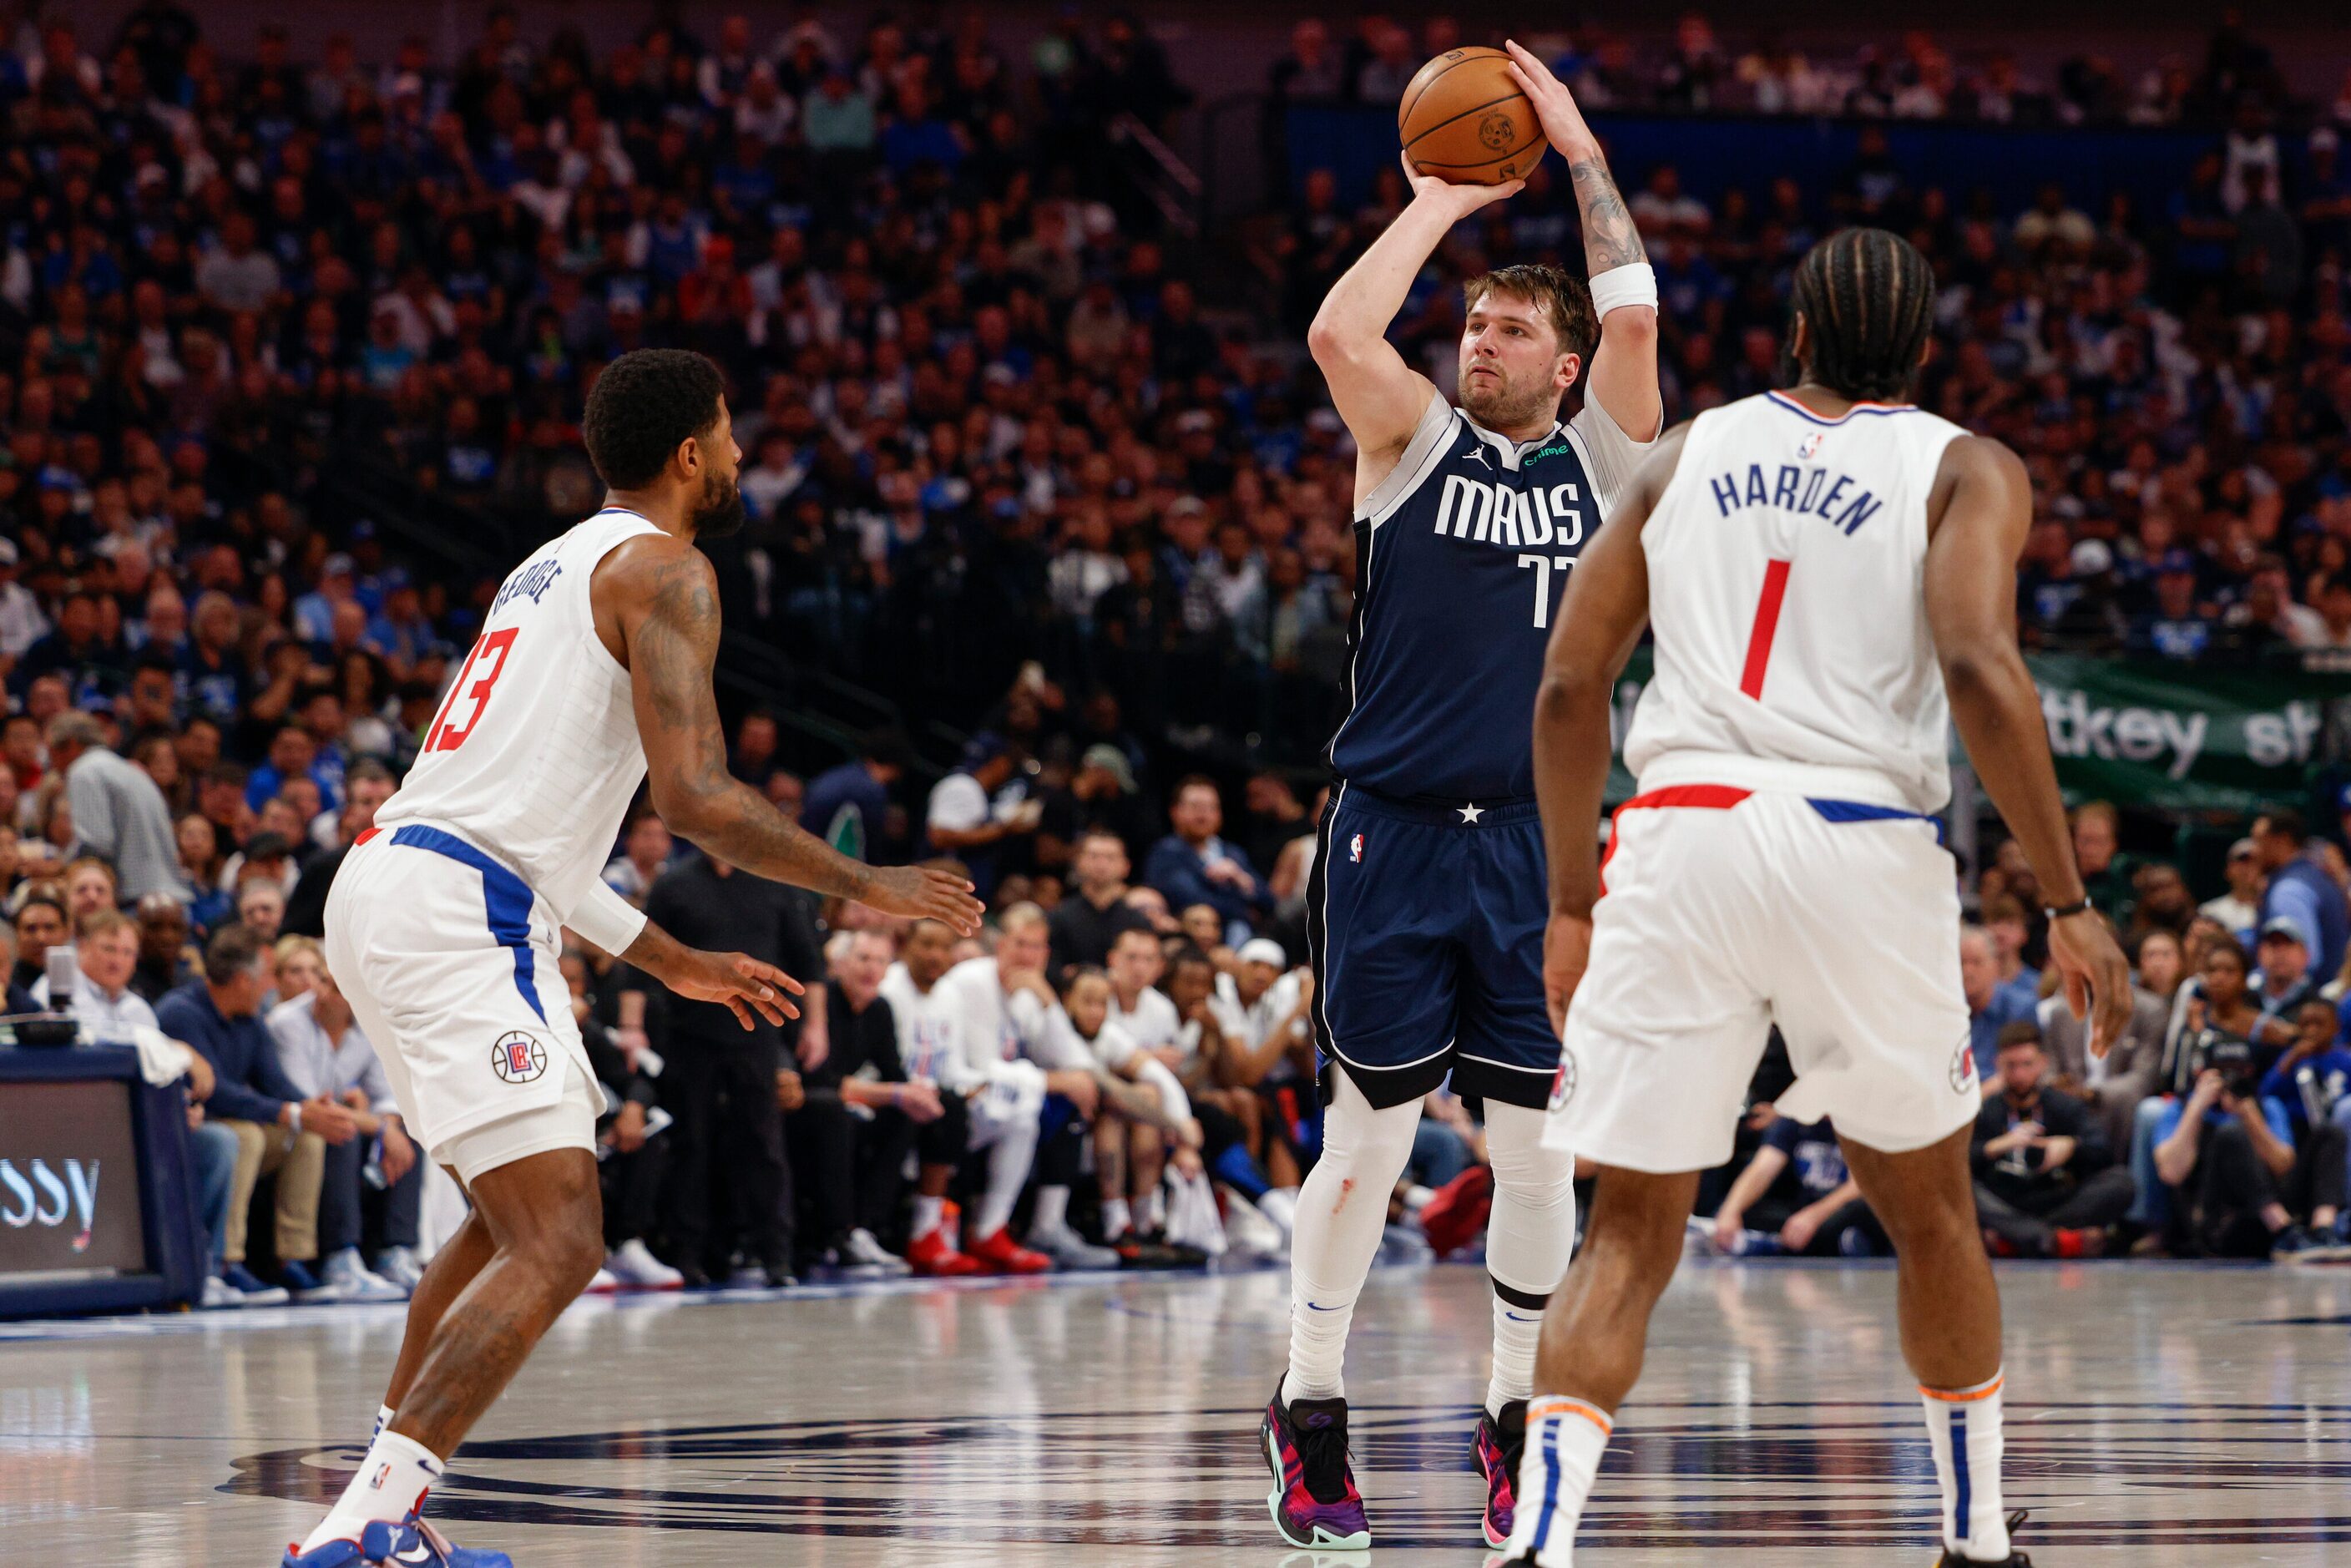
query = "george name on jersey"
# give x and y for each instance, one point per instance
(529, 583)
(1813, 491)
(1486, 513)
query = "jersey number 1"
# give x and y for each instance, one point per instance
(447, 733)
(1766, 626)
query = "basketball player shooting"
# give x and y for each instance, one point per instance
(1830, 574)
(591, 674)
(1425, 909)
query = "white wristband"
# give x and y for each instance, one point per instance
(606, 920)
(1622, 286)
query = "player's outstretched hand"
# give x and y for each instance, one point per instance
(924, 892)
(1457, 201)
(2097, 976)
(1563, 123)
(736, 981)
(1567, 949)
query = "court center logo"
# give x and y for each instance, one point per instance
(518, 1058)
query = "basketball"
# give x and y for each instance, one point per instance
(1464, 120)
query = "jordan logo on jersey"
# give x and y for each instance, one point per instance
(1795, 489)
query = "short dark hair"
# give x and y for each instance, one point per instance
(644, 407)
(1867, 298)
(235, 948)
(2024, 1031)
(2285, 822)
(1190, 953)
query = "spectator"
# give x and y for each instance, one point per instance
(631, 1141)
(165, 960)
(2105, 872)
(366, 786)
(278, 1132)
(40, 926)
(324, 1055)
(720, 1081)
(2046, 1183)
(848, 806)
(1990, 1007)
(106, 950)
(850, 1137)
(2113, 1085)
(2250, 1189)
(930, 1048)
(1796, 1195)
(2300, 889)
(975, 809)
(1083, 928)
(2239, 908)
(1193, 866)
(118, 811)
(14, 998)
(645, 851)
(2280, 985)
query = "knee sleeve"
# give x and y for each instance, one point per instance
(1532, 1230)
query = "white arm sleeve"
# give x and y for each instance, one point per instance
(604, 919)
(1051, 1041)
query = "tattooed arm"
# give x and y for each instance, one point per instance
(656, 605)
(1622, 375)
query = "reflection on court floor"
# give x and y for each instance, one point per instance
(2177, 1414)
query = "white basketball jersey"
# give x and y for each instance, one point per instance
(533, 754)
(1787, 563)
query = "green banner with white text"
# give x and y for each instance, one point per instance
(2153, 734)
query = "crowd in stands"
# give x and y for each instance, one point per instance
(1007, 466)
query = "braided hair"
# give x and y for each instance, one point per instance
(1867, 298)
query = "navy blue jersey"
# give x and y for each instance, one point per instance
(1463, 553)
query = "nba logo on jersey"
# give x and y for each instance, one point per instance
(1810, 446)
(1356, 849)
(517, 1058)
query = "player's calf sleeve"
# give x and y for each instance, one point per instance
(1565, 1438)
(1342, 1210)
(1529, 1238)
(1963, 1425)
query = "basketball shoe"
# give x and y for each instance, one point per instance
(1000, 1254)
(411, 1544)
(1314, 1501)
(1495, 1453)
(933, 1254)
(1951, 1558)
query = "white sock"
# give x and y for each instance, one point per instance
(1117, 1220)
(1565, 1438)
(1963, 1425)
(928, 1212)
(392, 1481)
(383, 1419)
(1052, 1210)
(1416, 1196)
(1008, 1159)
(1516, 1329)
(1154, 1210)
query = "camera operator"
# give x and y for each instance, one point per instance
(2313, 1083)
(2230, 1158)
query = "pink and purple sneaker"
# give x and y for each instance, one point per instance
(1494, 1454)
(1313, 1501)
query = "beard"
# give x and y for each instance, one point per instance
(719, 510)
(1500, 405)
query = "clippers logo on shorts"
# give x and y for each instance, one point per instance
(1563, 1082)
(1356, 849)
(518, 1058)
(1963, 1066)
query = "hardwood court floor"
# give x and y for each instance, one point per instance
(2158, 1414)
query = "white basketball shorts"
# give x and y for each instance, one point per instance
(1725, 911)
(450, 963)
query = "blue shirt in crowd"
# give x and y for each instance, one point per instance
(243, 1055)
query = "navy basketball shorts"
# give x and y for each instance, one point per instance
(1425, 924)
